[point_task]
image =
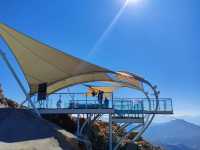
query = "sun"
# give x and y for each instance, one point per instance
(132, 1)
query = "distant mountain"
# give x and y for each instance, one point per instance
(192, 119)
(175, 135)
(189, 118)
(176, 147)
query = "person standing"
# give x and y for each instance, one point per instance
(106, 102)
(58, 104)
(100, 96)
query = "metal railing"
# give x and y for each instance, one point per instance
(74, 101)
(120, 105)
(142, 104)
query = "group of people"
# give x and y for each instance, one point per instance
(100, 96)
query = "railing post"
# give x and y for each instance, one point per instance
(112, 101)
(86, 101)
(142, 108)
(153, 103)
(165, 105)
(78, 125)
(171, 105)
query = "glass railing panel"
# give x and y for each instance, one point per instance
(74, 101)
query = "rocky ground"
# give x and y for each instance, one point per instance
(98, 134)
(21, 129)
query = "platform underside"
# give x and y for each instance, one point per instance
(75, 111)
(127, 120)
(98, 111)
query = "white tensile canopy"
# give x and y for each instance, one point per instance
(41, 63)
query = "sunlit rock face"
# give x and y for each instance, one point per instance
(6, 102)
(1, 92)
(2, 98)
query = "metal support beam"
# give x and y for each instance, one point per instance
(74, 111)
(78, 125)
(124, 137)
(110, 131)
(84, 125)
(3, 56)
(32, 104)
(147, 124)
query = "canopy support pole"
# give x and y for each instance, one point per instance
(3, 56)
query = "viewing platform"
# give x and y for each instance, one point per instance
(81, 103)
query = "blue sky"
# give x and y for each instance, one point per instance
(157, 39)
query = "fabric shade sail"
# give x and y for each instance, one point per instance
(41, 63)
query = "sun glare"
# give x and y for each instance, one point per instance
(113, 22)
(132, 1)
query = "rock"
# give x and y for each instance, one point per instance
(21, 129)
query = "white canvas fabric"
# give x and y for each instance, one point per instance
(41, 63)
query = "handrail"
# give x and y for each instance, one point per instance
(125, 105)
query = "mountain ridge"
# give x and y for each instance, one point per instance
(178, 132)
